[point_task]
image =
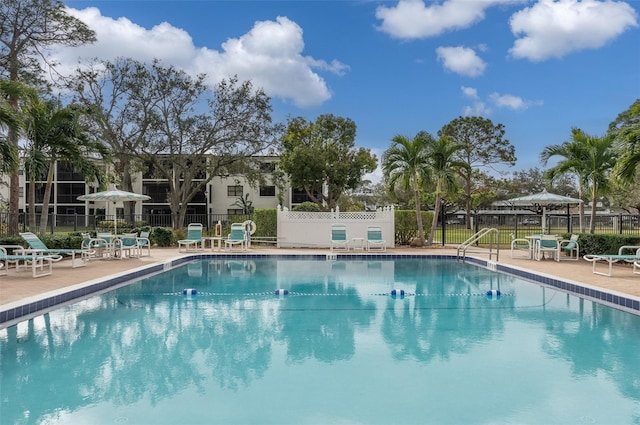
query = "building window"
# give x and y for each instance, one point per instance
(299, 196)
(68, 192)
(267, 191)
(236, 211)
(234, 191)
(267, 167)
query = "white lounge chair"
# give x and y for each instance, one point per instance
(237, 237)
(339, 240)
(374, 239)
(615, 258)
(36, 245)
(194, 241)
(24, 260)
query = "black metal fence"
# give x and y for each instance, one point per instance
(61, 223)
(452, 229)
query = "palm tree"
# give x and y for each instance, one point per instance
(628, 139)
(407, 162)
(11, 122)
(575, 157)
(55, 134)
(592, 159)
(601, 160)
(444, 169)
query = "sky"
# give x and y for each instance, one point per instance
(538, 67)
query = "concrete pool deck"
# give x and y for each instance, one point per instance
(21, 289)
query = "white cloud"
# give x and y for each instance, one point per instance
(461, 60)
(512, 102)
(411, 19)
(270, 55)
(469, 92)
(509, 101)
(551, 28)
(477, 109)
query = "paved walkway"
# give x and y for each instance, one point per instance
(18, 287)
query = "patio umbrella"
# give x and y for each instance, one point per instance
(545, 199)
(114, 196)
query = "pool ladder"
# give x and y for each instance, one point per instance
(494, 243)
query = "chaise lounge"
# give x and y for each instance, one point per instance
(23, 261)
(36, 245)
(194, 241)
(339, 240)
(615, 258)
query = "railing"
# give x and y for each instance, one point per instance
(62, 223)
(494, 241)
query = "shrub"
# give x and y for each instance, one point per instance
(307, 206)
(266, 221)
(162, 236)
(407, 226)
(604, 243)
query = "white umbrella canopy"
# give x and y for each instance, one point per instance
(114, 196)
(545, 199)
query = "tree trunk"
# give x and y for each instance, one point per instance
(436, 214)
(581, 208)
(419, 217)
(592, 225)
(32, 205)
(44, 219)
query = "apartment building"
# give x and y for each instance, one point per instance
(219, 197)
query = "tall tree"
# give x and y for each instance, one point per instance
(406, 163)
(484, 147)
(10, 122)
(56, 135)
(575, 154)
(27, 29)
(444, 169)
(153, 113)
(320, 158)
(626, 129)
(593, 158)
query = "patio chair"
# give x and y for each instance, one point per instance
(95, 247)
(144, 243)
(615, 258)
(34, 260)
(35, 244)
(547, 243)
(128, 242)
(194, 241)
(570, 247)
(520, 244)
(237, 237)
(374, 239)
(339, 239)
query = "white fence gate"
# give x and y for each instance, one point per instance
(298, 229)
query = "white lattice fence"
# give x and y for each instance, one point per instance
(313, 229)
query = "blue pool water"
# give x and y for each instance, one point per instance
(337, 349)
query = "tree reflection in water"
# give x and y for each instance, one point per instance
(148, 341)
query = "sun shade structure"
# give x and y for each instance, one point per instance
(545, 200)
(114, 196)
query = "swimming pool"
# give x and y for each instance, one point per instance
(337, 348)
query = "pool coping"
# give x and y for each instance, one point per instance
(27, 308)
